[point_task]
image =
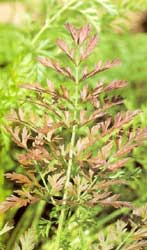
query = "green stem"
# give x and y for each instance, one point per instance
(44, 182)
(90, 186)
(24, 222)
(125, 240)
(49, 22)
(94, 234)
(68, 174)
(42, 178)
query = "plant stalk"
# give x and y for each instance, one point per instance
(49, 22)
(69, 168)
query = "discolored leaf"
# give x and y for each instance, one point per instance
(90, 46)
(84, 92)
(20, 137)
(19, 178)
(119, 164)
(56, 66)
(12, 202)
(84, 33)
(99, 68)
(56, 182)
(116, 84)
(73, 31)
(27, 241)
(51, 86)
(6, 228)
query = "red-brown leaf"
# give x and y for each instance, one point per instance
(74, 32)
(62, 45)
(84, 92)
(119, 164)
(116, 84)
(18, 178)
(99, 68)
(12, 202)
(51, 86)
(84, 33)
(91, 45)
(56, 66)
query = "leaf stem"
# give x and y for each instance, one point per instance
(49, 22)
(68, 174)
(42, 178)
(125, 240)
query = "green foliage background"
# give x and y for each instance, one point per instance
(43, 22)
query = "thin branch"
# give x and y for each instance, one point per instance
(53, 19)
(68, 174)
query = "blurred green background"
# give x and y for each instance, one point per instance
(30, 28)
